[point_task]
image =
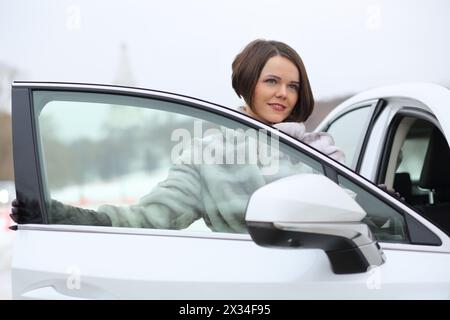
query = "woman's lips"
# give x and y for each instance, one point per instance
(277, 106)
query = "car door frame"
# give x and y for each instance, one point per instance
(391, 129)
(28, 175)
(29, 178)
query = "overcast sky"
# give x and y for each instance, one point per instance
(187, 46)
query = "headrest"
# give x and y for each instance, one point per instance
(436, 167)
(403, 184)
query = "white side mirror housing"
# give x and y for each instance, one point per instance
(304, 198)
(311, 211)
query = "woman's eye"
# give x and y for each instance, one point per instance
(271, 81)
(294, 87)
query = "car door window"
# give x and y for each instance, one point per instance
(386, 223)
(348, 132)
(147, 163)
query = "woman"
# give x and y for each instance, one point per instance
(271, 78)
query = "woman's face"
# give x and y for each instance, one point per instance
(276, 91)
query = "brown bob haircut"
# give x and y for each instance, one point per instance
(247, 67)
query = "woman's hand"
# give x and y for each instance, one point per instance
(392, 191)
(25, 212)
(57, 213)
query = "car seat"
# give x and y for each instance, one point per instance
(435, 176)
(403, 185)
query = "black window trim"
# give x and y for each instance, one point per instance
(27, 173)
(378, 108)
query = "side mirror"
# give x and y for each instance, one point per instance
(311, 211)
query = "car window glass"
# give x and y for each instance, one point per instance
(385, 223)
(146, 163)
(348, 132)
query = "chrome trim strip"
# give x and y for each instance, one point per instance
(136, 231)
(414, 247)
(199, 235)
(128, 90)
(236, 114)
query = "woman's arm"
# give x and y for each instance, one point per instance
(174, 203)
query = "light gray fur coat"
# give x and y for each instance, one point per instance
(218, 193)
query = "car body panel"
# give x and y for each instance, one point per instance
(170, 268)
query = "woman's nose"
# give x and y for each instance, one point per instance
(282, 91)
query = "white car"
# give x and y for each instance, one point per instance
(324, 233)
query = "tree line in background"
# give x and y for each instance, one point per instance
(121, 151)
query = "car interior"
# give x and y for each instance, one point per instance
(434, 177)
(419, 169)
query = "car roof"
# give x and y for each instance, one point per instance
(435, 97)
